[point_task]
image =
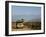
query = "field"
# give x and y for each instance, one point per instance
(26, 26)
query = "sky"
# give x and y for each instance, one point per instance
(26, 12)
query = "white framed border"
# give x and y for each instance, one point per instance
(30, 31)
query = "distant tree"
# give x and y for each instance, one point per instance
(22, 20)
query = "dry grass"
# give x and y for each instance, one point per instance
(27, 26)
